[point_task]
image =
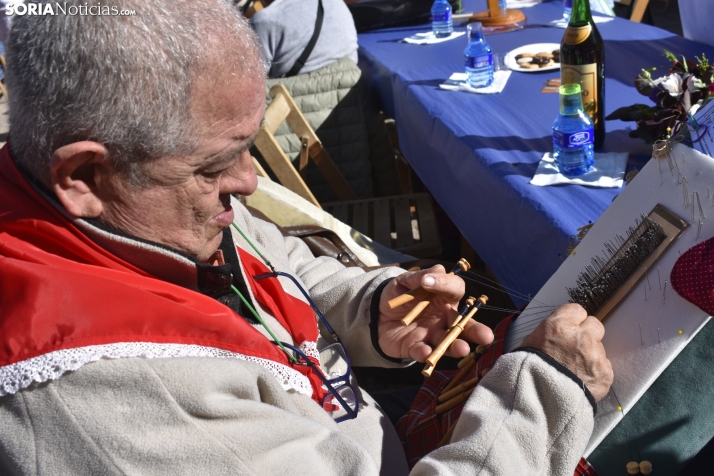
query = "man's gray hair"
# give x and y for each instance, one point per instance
(123, 81)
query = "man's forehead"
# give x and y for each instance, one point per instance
(230, 103)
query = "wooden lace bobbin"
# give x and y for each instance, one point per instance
(633, 467)
(422, 295)
(466, 360)
(454, 402)
(419, 292)
(481, 349)
(451, 336)
(459, 376)
(469, 309)
(461, 388)
(645, 467)
(660, 149)
(630, 176)
(447, 437)
(416, 293)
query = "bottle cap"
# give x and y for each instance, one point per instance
(568, 89)
(570, 99)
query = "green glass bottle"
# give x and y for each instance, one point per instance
(582, 61)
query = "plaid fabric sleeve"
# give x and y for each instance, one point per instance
(421, 429)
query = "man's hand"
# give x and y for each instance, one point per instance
(573, 338)
(417, 340)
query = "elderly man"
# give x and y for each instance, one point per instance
(150, 325)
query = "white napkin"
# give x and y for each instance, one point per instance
(561, 23)
(608, 172)
(429, 38)
(522, 3)
(457, 82)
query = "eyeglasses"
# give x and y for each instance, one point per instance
(341, 402)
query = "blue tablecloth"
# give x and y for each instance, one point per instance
(478, 153)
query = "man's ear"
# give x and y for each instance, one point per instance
(75, 174)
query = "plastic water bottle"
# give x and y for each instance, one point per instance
(573, 134)
(441, 23)
(478, 58)
(567, 10)
(502, 7)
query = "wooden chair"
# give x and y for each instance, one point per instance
(405, 223)
(254, 8)
(638, 10)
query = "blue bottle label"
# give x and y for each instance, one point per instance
(442, 16)
(574, 139)
(568, 3)
(479, 61)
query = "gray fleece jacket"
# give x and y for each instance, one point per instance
(182, 414)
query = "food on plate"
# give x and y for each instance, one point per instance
(532, 61)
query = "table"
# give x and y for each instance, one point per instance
(477, 154)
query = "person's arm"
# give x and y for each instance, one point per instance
(541, 416)
(524, 418)
(172, 416)
(355, 302)
(344, 295)
(533, 412)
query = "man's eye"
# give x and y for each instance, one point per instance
(213, 174)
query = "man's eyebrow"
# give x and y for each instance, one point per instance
(223, 157)
(231, 154)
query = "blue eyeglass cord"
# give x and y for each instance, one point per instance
(352, 414)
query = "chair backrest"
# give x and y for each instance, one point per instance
(405, 223)
(281, 109)
(638, 10)
(254, 8)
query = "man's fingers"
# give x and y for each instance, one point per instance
(574, 313)
(458, 349)
(419, 351)
(414, 280)
(448, 286)
(477, 333)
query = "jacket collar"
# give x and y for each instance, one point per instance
(158, 260)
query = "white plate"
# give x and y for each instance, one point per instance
(535, 48)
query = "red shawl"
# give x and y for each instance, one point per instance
(59, 290)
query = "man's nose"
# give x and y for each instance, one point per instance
(239, 179)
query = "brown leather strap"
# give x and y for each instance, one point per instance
(324, 242)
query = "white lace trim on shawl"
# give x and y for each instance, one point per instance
(51, 366)
(310, 349)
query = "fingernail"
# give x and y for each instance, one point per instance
(428, 281)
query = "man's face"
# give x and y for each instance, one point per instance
(188, 203)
